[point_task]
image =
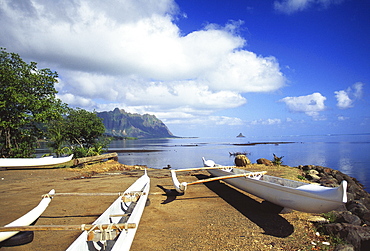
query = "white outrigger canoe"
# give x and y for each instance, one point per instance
(29, 162)
(115, 229)
(290, 194)
(29, 217)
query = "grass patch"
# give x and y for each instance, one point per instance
(88, 170)
(282, 171)
(330, 216)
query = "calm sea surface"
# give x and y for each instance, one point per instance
(349, 154)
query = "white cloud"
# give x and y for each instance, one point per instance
(357, 87)
(266, 122)
(76, 101)
(346, 98)
(132, 53)
(207, 120)
(343, 99)
(224, 120)
(244, 71)
(182, 94)
(291, 6)
(342, 118)
(311, 104)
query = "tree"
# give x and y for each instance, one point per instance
(27, 101)
(277, 160)
(83, 127)
(56, 136)
(82, 130)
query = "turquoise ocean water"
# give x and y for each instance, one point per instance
(349, 154)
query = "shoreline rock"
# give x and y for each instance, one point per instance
(351, 223)
(242, 160)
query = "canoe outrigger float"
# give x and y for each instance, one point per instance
(290, 194)
(30, 162)
(27, 219)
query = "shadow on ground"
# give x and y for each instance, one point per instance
(264, 214)
(170, 193)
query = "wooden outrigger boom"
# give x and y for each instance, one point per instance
(201, 168)
(82, 227)
(253, 174)
(181, 187)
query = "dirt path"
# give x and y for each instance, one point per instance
(209, 216)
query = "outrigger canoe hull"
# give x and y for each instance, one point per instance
(30, 162)
(289, 194)
(127, 208)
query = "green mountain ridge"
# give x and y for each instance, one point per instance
(123, 124)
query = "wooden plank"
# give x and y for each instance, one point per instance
(101, 194)
(88, 194)
(119, 215)
(82, 227)
(95, 158)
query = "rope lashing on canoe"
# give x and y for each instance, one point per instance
(49, 195)
(227, 169)
(134, 193)
(91, 235)
(107, 231)
(132, 196)
(102, 227)
(82, 227)
(255, 175)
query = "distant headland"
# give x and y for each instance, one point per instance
(119, 123)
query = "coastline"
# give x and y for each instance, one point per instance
(263, 143)
(188, 222)
(347, 154)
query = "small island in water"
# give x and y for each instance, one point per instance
(240, 135)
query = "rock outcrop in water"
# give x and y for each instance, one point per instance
(123, 124)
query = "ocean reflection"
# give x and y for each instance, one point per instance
(346, 154)
(345, 165)
(309, 154)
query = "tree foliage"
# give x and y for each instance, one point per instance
(30, 110)
(83, 127)
(277, 160)
(81, 131)
(56, 137)
(27, 101)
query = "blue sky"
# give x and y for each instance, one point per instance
(205, 68)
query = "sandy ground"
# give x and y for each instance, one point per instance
(210, 216)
